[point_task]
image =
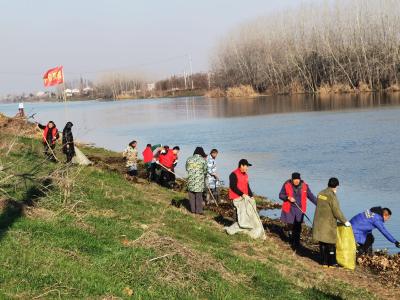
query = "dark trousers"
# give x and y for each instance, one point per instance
(366, 248)
(69, 155)
(296, 232)
(155, 172)
(132, 172)
(48, 151)
(196, 202)
(328, 253)
(167, 179)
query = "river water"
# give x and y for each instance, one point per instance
(352, 137)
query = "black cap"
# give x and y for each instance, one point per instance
(296, 175)
(244, 162)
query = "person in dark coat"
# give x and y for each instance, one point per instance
(50, 137)
(295, 191)
(363, 224)
(327, 214)
(68, 142)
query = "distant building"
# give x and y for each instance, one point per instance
(151, 86)
(87, 90)
(68, 93)
(40, 94)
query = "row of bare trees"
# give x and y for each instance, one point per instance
(115, 85)
(350, 44)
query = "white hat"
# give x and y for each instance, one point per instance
(21, 105)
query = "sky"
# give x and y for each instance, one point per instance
(89, 38)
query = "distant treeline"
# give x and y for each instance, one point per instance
(118, 86)
(338, 46)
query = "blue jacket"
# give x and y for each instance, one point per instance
(365, 222)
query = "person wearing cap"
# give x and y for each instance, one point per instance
(21, 112)
(326, 216)
(294, 194)
(363, 224)
(196, 167)
(239, 181)
(247, 217)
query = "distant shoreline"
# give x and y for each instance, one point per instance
(197, 93)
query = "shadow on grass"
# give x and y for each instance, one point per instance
(181, 203)
(313, 293)
(12, 210)
(304, 251)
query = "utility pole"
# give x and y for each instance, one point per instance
(191, 69)
(184, 77)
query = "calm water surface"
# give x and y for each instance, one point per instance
(355, 138)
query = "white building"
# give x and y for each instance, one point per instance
(151, 86)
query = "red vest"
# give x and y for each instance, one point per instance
(242, 184)
(168, 159)
(147, 155)
(289, 192)
(53, 133)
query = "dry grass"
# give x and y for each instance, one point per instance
(170, 254)
(296, 88)
(364, 87)
(241, 91)
(215, 93)
(394, 88)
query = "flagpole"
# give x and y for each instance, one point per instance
(65, 98)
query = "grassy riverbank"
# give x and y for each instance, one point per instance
(86, 232)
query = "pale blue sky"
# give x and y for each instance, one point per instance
(87, 35)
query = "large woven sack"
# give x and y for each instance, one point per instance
(346, 247)
(80, 158)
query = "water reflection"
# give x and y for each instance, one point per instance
(298, 103)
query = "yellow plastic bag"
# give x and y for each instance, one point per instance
(346, 247)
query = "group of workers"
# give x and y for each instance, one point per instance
(294, 194)
(50, 136)
(203, 181)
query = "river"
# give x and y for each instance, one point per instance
(352, 137)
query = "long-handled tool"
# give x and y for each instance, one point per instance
(295, 203)
(48, 145)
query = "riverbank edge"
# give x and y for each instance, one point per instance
(269, 254)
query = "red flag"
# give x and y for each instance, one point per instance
(54, 76)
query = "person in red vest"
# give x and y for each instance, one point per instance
(168, 160)
(293, 191)
(247, 217)
(148, 158)
(239, 181)
(50, 137)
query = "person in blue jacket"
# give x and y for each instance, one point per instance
(365, 222)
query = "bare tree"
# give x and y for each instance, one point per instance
(343, 45)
